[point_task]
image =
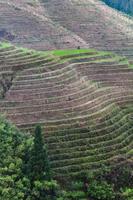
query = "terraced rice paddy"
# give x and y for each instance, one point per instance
(82, 98)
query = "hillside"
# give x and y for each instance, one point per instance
(54, 24)
(82, 99)
(122, 5)
(66, 100)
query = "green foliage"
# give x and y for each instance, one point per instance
(12, 182)
(74, 195)
(44, 190)
(39, 164)
(128, 194)
(100, 191)
(15, 152)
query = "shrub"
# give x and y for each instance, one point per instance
(100, 191)
(128, 194)
(74, 195)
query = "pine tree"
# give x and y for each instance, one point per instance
(39, 163)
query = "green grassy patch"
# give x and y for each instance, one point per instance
(4, 45)
(66, 52)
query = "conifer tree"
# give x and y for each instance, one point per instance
(39, 163)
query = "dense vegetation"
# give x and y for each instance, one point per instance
(25, 173)
(122, 5)
(24, 168)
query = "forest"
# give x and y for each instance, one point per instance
(121, 5)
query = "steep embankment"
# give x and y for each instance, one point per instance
(122, 5)
(81, 98)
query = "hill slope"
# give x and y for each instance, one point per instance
(61, 24)
(82, 98)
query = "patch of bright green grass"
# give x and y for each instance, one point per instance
(4, 45)
(66, 52)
